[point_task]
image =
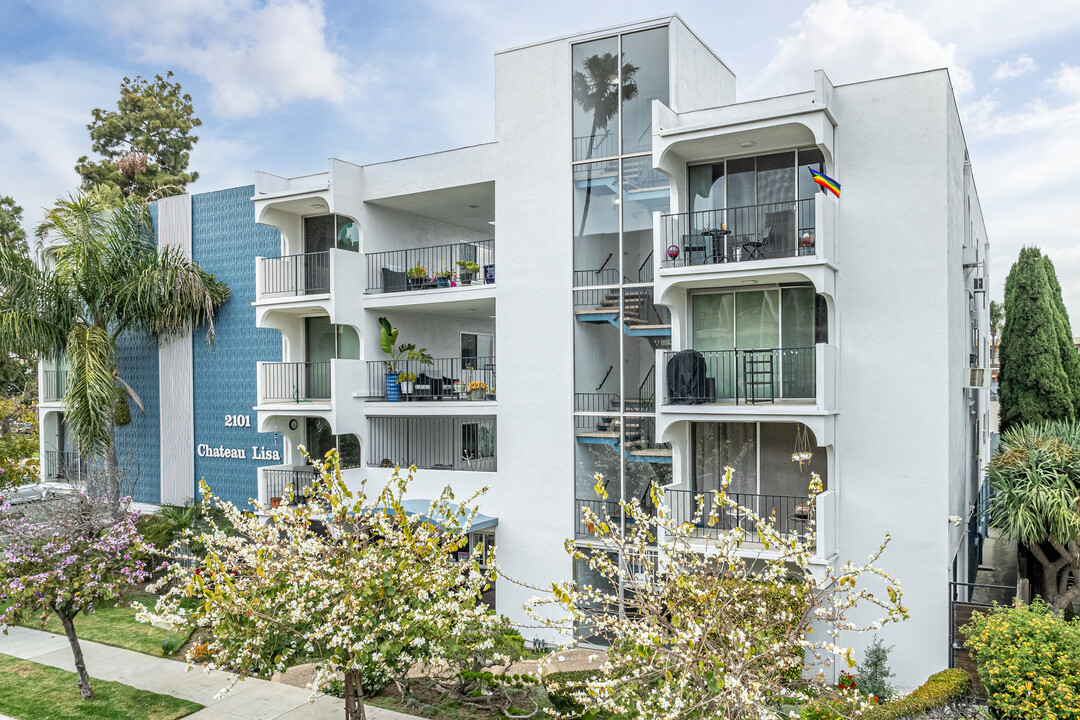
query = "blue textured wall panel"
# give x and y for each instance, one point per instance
(225, 241)
(138, 444)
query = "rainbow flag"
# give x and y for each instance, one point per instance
(826, 182)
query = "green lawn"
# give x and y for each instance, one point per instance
(29, 691)
(117, 626)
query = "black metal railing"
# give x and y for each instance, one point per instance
(602, 144)
(279, 481)
(600, 276)
(442, 379)
(790, 514)
(64, 465)
(435, 266)
(295, 381)
(441, 443)
(597, 402)
(742, 376)
(646, 397)
(737, 234)
(598, 506)
(292, 275)
(53, 384)
(645, 270)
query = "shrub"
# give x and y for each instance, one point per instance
(938, 690)
(1029, 661)
(873, 672)
(558, 684)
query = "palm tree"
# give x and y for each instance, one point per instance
(102, 276)
(596, 90)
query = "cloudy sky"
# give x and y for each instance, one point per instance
(282, 85)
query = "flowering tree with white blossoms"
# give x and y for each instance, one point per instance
(711, 626)
(347, 580)
(67, 556)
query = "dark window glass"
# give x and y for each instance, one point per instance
(348, 234)
(318, 233)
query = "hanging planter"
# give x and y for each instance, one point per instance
(802, 454)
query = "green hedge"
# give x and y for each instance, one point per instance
(939, 689)
(560, 701)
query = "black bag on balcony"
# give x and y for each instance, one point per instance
(686, 378)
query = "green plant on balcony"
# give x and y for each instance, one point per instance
(468, 266)
(388, 336)
(444, 274)
(419, 272)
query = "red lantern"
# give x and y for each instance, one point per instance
(672, 252)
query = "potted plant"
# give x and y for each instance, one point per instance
(406, 381)
(388, 335)
(418, 276)
(444, 277)
(477, 390)
(459, 386)
(468, 269)
(275, 502)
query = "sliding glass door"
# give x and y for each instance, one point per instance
(757, 341)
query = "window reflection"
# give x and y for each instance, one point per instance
(647, 53)
(596, 223)
(596, 98)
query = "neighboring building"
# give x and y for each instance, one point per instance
(670, 219)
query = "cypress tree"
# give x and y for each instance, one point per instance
(1070, 359)
(1034, 385)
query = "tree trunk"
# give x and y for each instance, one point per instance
(588, 186)
(354, 696)
(76, 650)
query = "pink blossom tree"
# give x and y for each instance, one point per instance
(67, 556)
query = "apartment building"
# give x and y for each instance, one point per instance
(638, 277)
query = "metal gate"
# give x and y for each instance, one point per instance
(966, 598)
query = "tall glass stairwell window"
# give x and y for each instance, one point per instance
(759, 343)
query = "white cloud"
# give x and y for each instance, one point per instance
(43, 121)
(852, 41)
(255, 56)
(1022, 65)
(1065, 81)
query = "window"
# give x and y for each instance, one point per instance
(477, 441)
(322, 232)
(320, 440)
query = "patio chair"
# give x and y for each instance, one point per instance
(755, 249)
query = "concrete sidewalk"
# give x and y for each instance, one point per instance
(248, 700)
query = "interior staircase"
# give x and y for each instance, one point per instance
(636, 432)
(640, 317)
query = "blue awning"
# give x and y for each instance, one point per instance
(420, 507)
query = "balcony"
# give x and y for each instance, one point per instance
(53, 385)
(300, 283)
(435, 267)
(294, 275)
(757, 377)
(740, 377)
(740, 234)
(433, 443)
(443, 380)
(63, 465)
(791, 516)
(275, 482)
(294, 382)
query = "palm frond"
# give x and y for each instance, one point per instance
(91, 393)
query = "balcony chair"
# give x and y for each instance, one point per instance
(755, 249)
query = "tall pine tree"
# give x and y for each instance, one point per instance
(1034, 381)
(1070, 360)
